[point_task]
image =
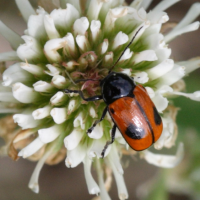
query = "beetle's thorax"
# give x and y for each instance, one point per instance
(115, 86)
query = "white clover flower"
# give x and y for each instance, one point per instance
(72, 43)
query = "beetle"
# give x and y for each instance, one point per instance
(130, 107)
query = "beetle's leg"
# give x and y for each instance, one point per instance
(109, 142)
(99, 120)
(94, 98)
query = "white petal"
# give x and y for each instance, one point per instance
(93, 188)
(58, 99)
(53, 70)
(31, 50)
(114, 158)
(191, 27)
(161, 69)
(95, 29)
(97, 148)
(81, 26)
(193, 96)
(42, 86)
(160, 102)
(76, 156)
(50, 27)
(33, 69)
(41, 113)
(75, 3)
(150, 92)
(97, 132)
(59, 115)
(164, 161)
(33, 183)
(79, 121)
(145, 4)
(47, 135)
(126, 71)
(147, 55)
(120, 38)
(36, 27)
(24, 93)
(163, 5)
(157, 17)
(51, 47)
(92, 112)
(141, 77)
(121, 187)
(7, 97)
(60, 82)
(25, 121)
(136, 4)
(9, 56)
(32, 148)
(72, 106)
(70, 45)
(25, 8)
(127, 54)
(73, 139)
(104, 46)
(14, 74)
(83, 43)
(172, 76)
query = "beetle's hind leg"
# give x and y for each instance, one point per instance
(109, 142)
(99, 120)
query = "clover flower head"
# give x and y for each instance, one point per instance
(74, 41)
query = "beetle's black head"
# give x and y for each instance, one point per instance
(115, 86)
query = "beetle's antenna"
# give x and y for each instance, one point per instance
(125, 49)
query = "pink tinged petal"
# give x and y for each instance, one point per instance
(160, 102)
(120, 39)
(12, 37)
(9, 56)
(121, 187)
(15, 73)
(81, 26)
(51, 48)
(42, 86)
(53, 70)
(147, 55)
(94, 9)
(31, 50)
(59, 115)
(93, 188)
(32, 148)
(97, 148)
(73, 139)
(103, 193)
(161, 69)
(36, 70)
(47, 135)
(79, 121)
(95, 29)
(112, 16)
(25, 8)
(33, 183)
(83, 43)
(60, 82)
(189, 28)
(172, 76)
(127, 55)
(141, 77)
(24, 93)
(76, 156)
(165, 161)
(163, 5)
(41, 113)
(35, 25)
(25, 121)
(58, 99)
(97, 132)
(7, 97)
(64, 18)
(113, 156)
(50, 27)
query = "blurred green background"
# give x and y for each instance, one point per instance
(59, 182)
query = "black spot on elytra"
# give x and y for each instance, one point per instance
(157, 117)
(112, 110)
(135, 132)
